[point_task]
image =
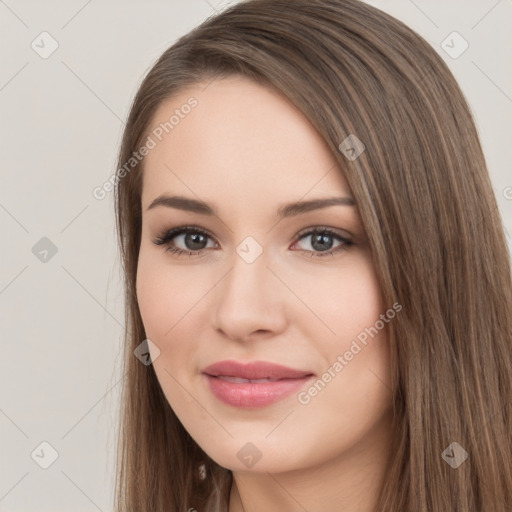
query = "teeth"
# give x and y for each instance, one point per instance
(239, 380)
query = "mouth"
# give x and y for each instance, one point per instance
(255, 384)
(240, 380)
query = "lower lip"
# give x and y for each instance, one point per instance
(254, 394)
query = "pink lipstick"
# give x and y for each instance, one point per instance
(254, 384)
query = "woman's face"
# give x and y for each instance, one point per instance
(259, 280)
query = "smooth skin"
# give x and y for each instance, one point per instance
(246, 151)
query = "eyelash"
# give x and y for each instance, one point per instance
(166, 237)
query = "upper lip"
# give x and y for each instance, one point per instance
(254, 370)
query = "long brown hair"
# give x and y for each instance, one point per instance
(437, 242)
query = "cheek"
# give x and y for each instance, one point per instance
(344, 300)
(168, 304)
(359, 300)
(155, 296)
(167, 296)
(350, 306)
(362, 341)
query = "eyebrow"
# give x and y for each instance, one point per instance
(287, 210)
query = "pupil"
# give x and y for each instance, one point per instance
(321, 242)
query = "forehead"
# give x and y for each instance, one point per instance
(239, 138)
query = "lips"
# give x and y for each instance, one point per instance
(253, 371)
(254, 384)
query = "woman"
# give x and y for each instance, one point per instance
(317, 282)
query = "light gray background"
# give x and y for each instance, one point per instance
(61, 122)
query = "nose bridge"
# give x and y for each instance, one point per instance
(247, 282)
(248, 300)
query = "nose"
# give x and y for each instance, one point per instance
(249, 301)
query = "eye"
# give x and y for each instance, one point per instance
(322, 242)
(191, 239)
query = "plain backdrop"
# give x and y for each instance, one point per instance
(61, 301)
